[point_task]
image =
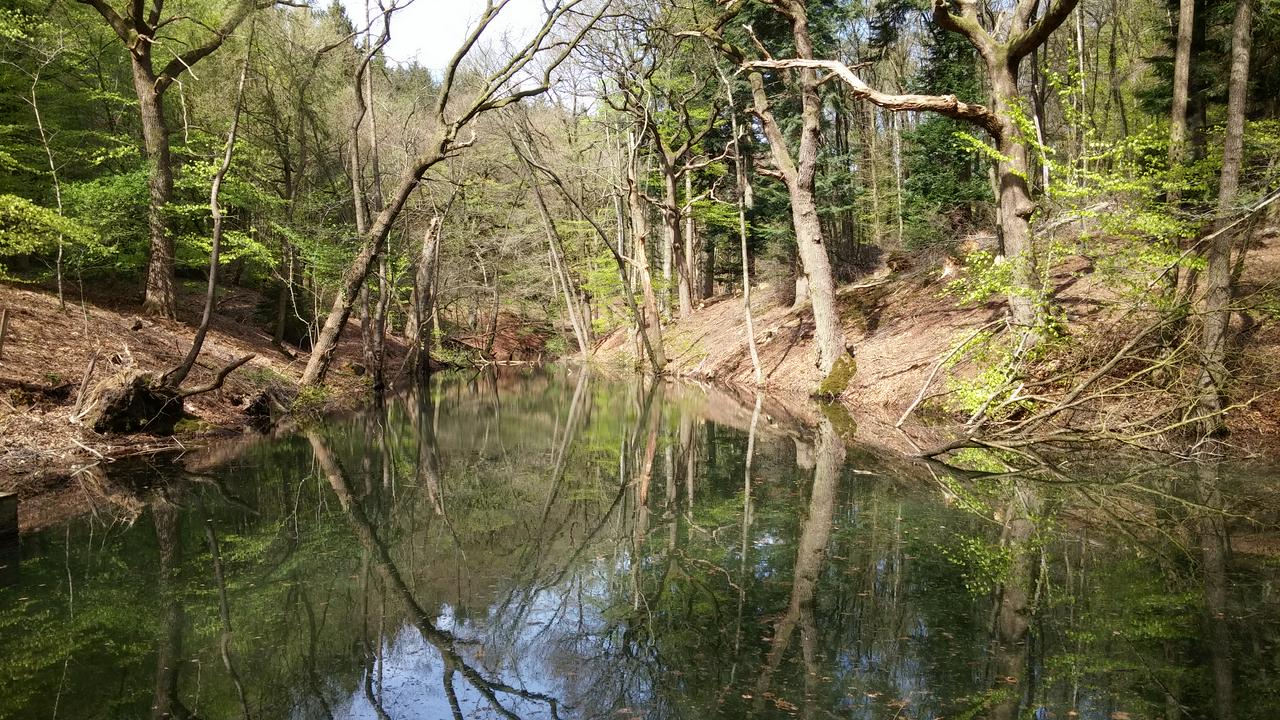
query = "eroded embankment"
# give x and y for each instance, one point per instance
(48, 460)
(901, 324)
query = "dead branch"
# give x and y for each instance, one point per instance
(948, 105)
(938, 366)
(76, 412)
(218, 379)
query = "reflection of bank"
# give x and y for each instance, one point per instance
(9, 555)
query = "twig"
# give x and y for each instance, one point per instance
(938, 366)
(4, 329)
(86, 447)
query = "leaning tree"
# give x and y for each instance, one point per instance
(525, 73)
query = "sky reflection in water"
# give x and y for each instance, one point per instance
(546, 544)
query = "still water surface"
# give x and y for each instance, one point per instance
(549, 545)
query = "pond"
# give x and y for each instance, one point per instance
(549, 544)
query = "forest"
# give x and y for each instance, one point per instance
(1044, 221)
(663, 359)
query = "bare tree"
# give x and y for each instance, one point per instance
(175, 376)
(509, 83)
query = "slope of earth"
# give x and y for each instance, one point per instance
(49, 460)
(900, 324)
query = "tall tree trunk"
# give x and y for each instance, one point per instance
(378, 342)
(1016, 206)
(673, 242)
(161, 291)
(691, 245)
(421, 336)
(555, 247)
(380, 323)
(828, 333)
(1181, 88)
(137, 31)
(372, 244)
(1217, 299)
(650, 318)
(800, 176)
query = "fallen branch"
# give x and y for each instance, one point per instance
(938, 366)
(217, 380)
(77, 412)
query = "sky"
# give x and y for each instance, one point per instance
(430, 31)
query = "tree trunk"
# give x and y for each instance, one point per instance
(421, 337)
(1016, 205)
(1217, 299)
(708, 268)
(161, 292)
(674, 244)
(1181, 88)
(817, 272)
(650, 318)
(373, 241)
(800, 175)
(177, 375)
(691, 286)
(380, 323)
(559, 267)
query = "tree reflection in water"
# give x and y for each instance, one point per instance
(558, 545)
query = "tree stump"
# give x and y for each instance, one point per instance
(132, 401)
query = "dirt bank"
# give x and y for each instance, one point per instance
(48, 460)
(900, 323)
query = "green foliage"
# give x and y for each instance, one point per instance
(946, 191)
(985, 277)
(310, 402)
(28, 231)
(115, 206)
(983, 564)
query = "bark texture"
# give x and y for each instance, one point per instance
(799, 173)
(138, 28)
(1217, 298)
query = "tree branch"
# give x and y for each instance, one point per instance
(184, 61)
(948, 105)
(1021, 44)
(113, 19)
(966, 23)
(218, 379)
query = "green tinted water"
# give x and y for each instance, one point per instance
(552, 545)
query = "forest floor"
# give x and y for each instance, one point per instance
(900, 323)
(43, 456)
